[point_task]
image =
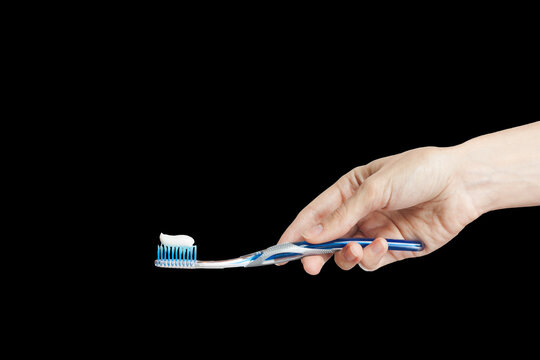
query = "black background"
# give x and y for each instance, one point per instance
(233, 169)
(227, 142)
(223, 124)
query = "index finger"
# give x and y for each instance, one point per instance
(323, 205)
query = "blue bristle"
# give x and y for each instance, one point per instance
(182, 255)
(176, 255)
(183, 249)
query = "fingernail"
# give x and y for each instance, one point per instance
(314, 231)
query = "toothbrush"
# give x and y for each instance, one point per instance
(185, 257)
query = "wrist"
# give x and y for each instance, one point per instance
(501, 170)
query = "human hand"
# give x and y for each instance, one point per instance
(428, 194)
(413, 195)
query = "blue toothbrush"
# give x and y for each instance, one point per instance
(185, 257)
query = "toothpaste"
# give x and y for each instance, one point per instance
(176, 240)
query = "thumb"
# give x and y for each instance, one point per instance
(368, 198)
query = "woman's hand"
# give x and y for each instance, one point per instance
(413, 195)
(428, 194)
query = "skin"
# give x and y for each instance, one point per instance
(428, 193)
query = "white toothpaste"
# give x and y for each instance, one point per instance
(176, 240)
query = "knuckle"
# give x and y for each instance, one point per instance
(340, 215)
(355, 176)
(371, 187)
(373, 193)
(309, 211)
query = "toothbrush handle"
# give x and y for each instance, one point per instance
(292, 251)
(335, 245)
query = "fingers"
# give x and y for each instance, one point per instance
(373, 254)
(313, 264)
(351, 255)
(312, 214)
(326, 203)
(368, 198)
(333, 214)
(368, 258)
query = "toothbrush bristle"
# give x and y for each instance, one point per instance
(176, 256)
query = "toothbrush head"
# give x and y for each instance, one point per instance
(185, 257)
(177, 257)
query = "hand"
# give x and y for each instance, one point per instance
(414, 195)
(428, 194)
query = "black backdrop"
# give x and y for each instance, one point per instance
(229, 152)
(224, 127)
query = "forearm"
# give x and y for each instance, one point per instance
(502, 169)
